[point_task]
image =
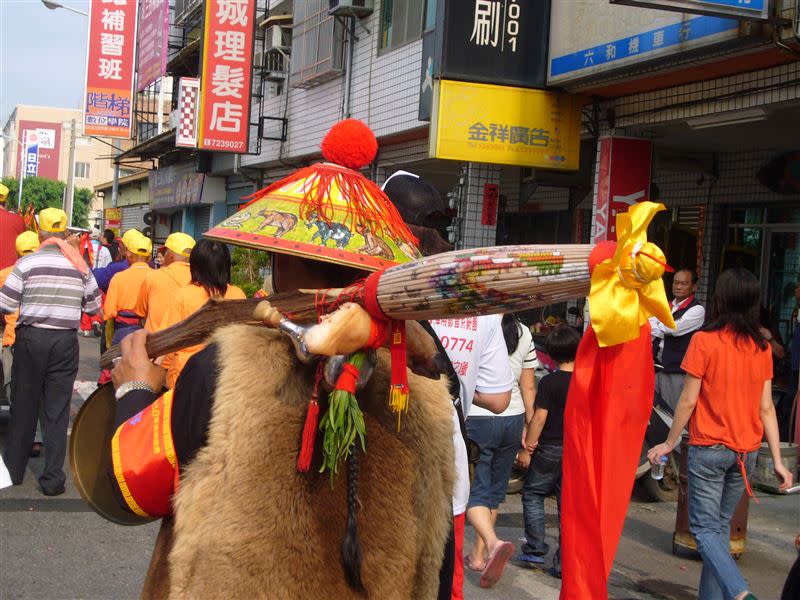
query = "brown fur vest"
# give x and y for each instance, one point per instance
(247, 525)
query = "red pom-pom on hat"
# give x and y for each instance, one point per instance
(350, 143)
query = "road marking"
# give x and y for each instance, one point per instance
(84, 388)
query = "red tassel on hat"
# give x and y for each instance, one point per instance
(310, 427)
(398, 392)
(309, 436)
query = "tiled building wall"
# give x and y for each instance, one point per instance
(774, 85)
(473, 234)
(384, 94)
(400, 156)
(737, 182)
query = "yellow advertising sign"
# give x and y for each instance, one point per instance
(505, 125)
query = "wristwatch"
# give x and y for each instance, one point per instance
(129, 386)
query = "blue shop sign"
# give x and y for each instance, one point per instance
(643, 43)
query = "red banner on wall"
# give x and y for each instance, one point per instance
(623, 179)
(228, 37)
(109, 68)
(491, 195)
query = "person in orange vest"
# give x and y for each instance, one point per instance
(160, 289)
(26, 243)
(123, 291)
(210, 266)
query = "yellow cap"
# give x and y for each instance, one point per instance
(3, 193)
(53, 220)
(180, 243)
(26, 243)
(137, 243)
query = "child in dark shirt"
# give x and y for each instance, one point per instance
(544, 436)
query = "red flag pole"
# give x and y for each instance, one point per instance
(608, 407)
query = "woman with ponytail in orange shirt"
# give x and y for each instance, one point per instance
(210, 265)
(727, 402)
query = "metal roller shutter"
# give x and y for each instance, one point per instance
(133, 217)
(202, 220)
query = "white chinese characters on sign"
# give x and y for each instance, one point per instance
(486, 25)
(232, 12)
(490, 17)
(226, 83)
(113, 20)
(230, 45)
(112, 42)
(110, 68)
(226, 116)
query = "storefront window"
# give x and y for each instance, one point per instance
(767, 242)
(783, 214)
(747, 216)
(784, 262)
(743, 249)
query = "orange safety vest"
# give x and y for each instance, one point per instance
(144, 460)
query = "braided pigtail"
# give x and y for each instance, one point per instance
(351, 546)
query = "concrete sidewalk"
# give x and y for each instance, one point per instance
(645, 567)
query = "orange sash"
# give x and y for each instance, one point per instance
(144, 460)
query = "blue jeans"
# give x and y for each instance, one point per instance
(716, 486)
(542, 479)
(499, 440)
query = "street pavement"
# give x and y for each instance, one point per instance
(57, 548)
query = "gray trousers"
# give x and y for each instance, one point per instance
(7, 354)
(43, 375)
(669, 386)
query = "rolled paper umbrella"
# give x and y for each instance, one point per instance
(461, 283)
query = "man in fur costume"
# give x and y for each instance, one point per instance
(218, 456)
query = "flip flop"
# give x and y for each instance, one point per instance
(496, 564)
(471, 566)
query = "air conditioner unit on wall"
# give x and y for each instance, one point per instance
(279, 38)
(351, 8)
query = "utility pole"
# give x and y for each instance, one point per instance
(115, 184)
(68, 200)
(21, 167)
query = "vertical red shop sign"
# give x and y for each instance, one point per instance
(228, 35)
(623, 179)
(109, 68)
(491, 194)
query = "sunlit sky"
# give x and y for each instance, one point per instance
(42, 55)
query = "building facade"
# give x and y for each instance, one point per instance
(717, 104)
(709, 100)
(93, 164)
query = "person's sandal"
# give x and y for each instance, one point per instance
(496, 564)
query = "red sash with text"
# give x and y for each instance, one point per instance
(143, 455)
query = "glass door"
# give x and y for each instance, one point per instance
(783, 274)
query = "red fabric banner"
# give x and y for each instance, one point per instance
(491, 196)
(608, 407)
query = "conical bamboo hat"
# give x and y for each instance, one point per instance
(327, 211)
